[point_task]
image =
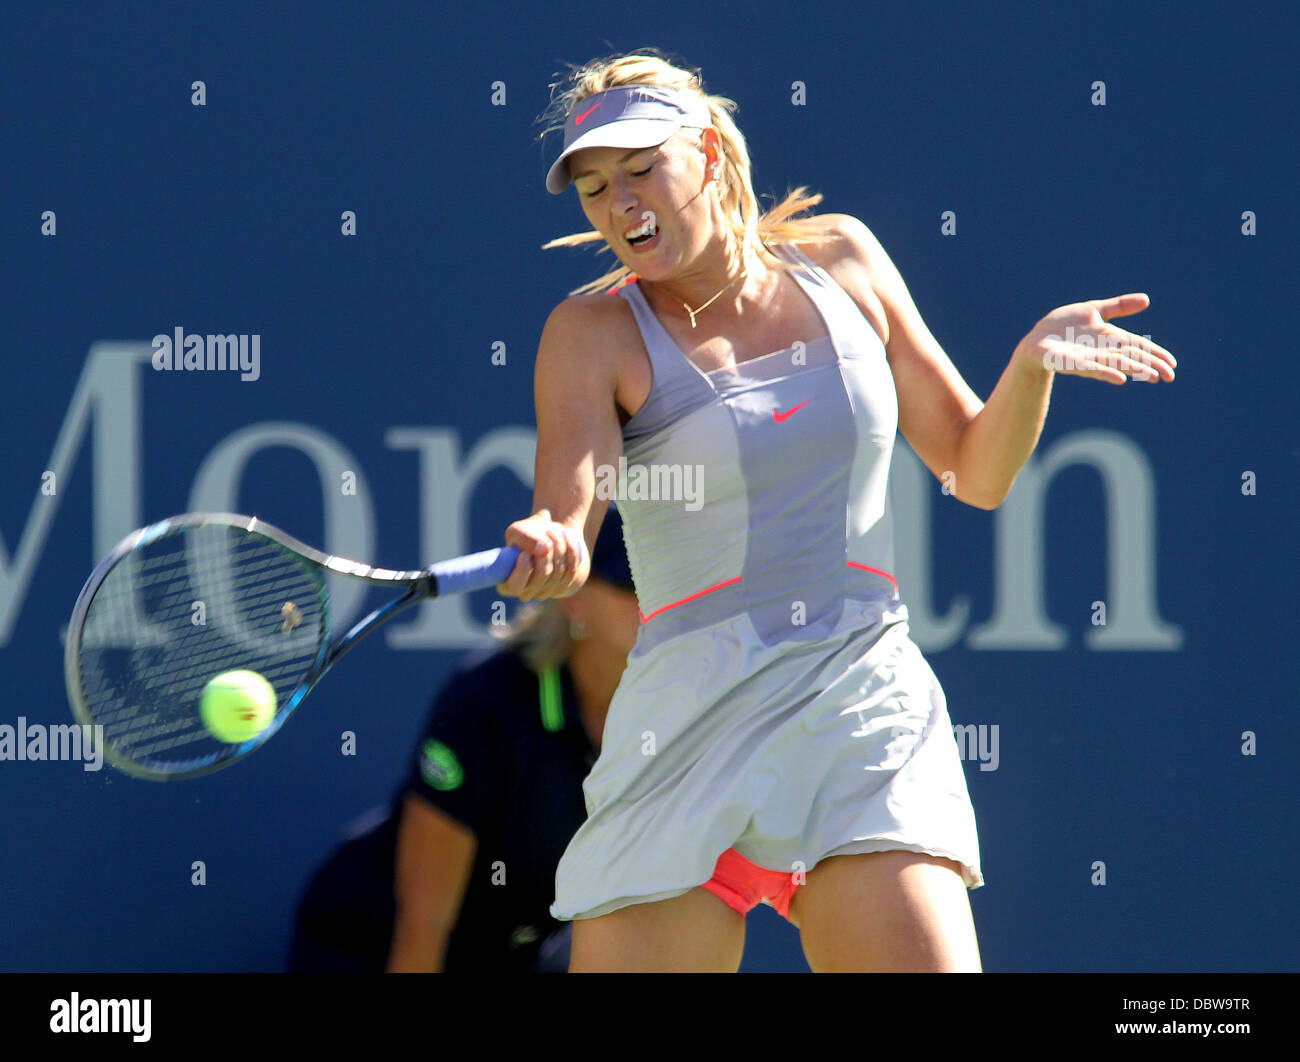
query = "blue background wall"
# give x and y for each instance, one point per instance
(226, 218)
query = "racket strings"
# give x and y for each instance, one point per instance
(173, 614)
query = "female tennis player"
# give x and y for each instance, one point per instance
(777, 737)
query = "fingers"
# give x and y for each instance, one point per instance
(1131, 360)
(1112, 354)
(1114, 364)
(517, 580)
(1142, 363)
(1143, 348)
(1122, 305)
(1094, 348)
(551, 560)
(1077, 360)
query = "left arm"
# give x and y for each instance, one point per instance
(997, 441)
(1074, 339)
(983, 445)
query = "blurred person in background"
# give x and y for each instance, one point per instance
(459, 874)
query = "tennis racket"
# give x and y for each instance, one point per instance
(183, 600)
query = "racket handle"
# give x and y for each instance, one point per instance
(474, 571)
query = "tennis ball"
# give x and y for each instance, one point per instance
(237, 705)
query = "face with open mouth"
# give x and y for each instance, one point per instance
(644, 235)
(643, 201)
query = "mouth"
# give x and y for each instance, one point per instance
(643, 236)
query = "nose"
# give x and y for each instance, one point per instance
(621, 197)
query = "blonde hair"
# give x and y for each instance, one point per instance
(539, 633)
(754, 230)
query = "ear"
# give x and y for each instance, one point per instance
(711, 145)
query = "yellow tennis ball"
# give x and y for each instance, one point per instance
(237, 705)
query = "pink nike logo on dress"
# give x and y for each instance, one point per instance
(578, 118)
(780, 417)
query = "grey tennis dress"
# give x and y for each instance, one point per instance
(773, 702)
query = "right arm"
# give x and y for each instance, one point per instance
(435, 855)
(577, 431)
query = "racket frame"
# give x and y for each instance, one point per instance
(420, 584)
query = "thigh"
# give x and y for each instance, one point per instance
(881, 912)
(692, 933)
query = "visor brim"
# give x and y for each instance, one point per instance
(628, 133)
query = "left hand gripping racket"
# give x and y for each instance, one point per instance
(183, 600)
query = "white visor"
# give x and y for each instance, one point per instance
(634, 116)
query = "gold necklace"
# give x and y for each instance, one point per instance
(712, 300)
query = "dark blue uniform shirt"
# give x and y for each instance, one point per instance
(504, 753)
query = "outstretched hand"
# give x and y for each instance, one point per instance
(1079, 340)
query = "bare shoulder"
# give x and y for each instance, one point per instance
(588, 315)
(852, 255)
(847, 241)
(592, 344)
(588, 326)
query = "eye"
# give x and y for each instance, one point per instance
(592, 195)
(642, 173)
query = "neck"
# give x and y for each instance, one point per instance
(596, 676)
(716, 275)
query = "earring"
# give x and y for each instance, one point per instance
(578, 630)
